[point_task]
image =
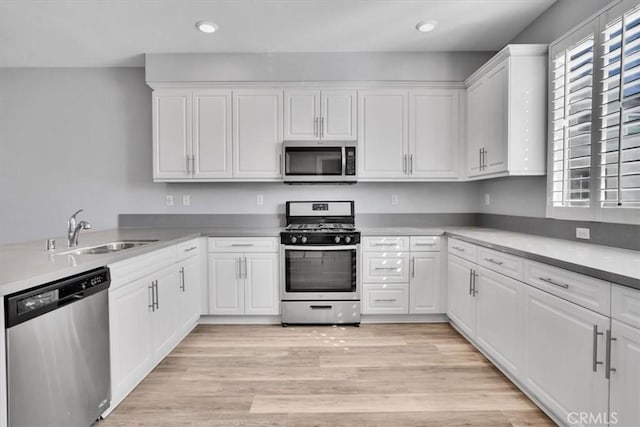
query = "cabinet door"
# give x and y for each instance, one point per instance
(130, 336)
(460, 302)
(226, 289)
(212, 134)
(301, 115)
(476, 126)
(339, 115)
(434, 127)
(497, 120)
(189, 292)
(261, 288)
(383, 134)
(499, 318)
(171, 133)
(164, 320)
(560, 348)
(257, 133)
(625, 380)
(424, 283)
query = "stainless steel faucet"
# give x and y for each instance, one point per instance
(74, 229)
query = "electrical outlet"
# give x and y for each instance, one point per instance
(583, 233)
(259, 199)
(487, 198)
(168, 199)
(186, 199)
(394, 199)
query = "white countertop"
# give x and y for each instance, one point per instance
(28, 264)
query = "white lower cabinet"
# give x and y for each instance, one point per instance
(499, 318)
(189, 292)
(164, 316)
(624, 398)
(564, 353)
(460, 304)
(243, 283)
(424, 283)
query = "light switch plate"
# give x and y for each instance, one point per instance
(583, 233)
(259, 199)
(186, 199)
(168, 199)
(487, 198)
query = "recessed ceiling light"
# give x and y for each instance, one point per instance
(206, 27)
(426, 26)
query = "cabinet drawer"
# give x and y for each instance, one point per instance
(385, 299)
(243, 244)
(508, 265)
(585, 291)
(625, 305)
(128, 270)
(188, 249)
(425, 243)
(462, 249)
(385, 268)
(385, 243)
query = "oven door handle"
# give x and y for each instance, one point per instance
(320, 248)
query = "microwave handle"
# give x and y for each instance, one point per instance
(344, 161)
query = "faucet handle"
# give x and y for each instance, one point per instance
(86, 225)
(76, 213)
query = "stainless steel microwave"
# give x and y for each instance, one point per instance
(315, 162)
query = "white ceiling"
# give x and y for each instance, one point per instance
(88, 33)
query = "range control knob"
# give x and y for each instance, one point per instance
(304, 239)
(337, 239)
(347, 239)
(294, 239)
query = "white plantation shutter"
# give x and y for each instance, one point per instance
(619, 157)
(572, 104)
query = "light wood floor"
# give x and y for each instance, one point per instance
(375, 375)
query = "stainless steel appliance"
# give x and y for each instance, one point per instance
(314, 162)
(320, 264)
(58, 369)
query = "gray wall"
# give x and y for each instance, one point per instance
(81, 138)
(374, 66)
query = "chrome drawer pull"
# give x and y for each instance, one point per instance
(387, 268)
(458, 248)
(548, 280)
(607, 367)
(493, 261)
(191, 249)
(425, 244)
(385, 300)
(242, 244)
(385, 244)
(595, 348)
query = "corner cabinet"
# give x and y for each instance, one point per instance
(409, 134)
(506, 114)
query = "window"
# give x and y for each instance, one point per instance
(619, 157)
(594, 119)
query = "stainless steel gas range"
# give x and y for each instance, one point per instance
(320, 264)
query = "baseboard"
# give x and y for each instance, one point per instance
(239, 320)
(404, 318)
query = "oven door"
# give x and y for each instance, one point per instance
(320, 273)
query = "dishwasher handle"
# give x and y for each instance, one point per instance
(34, 302)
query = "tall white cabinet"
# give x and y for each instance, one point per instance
(506, 114)
(320, 115)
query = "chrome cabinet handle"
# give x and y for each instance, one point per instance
(548, 280)
(385, 300)
(192, 248)
(474, 289)
(387, 268)
(193, 164)
(458, 248)
(595, 348)
(413, 267)
(607, 367)
(242, 244)
(493, 261)
(425, 244)
(404, 164)
(239, 267)
(152, 306)
(187, 164)
(315, 126)
(410, 164)
(385, 244)
(470, 282)
(280, 164)
(479, 158)
(245, 267)
(182, 279)
(321, 127)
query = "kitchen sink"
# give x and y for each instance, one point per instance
(109, 247)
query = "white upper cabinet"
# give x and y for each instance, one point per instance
(506, 107)
(171, 134)
(383, 133)
(257, 133)
(211, 152)
(314, 115)
(434, 133)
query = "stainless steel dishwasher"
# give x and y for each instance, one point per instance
(58, 371)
